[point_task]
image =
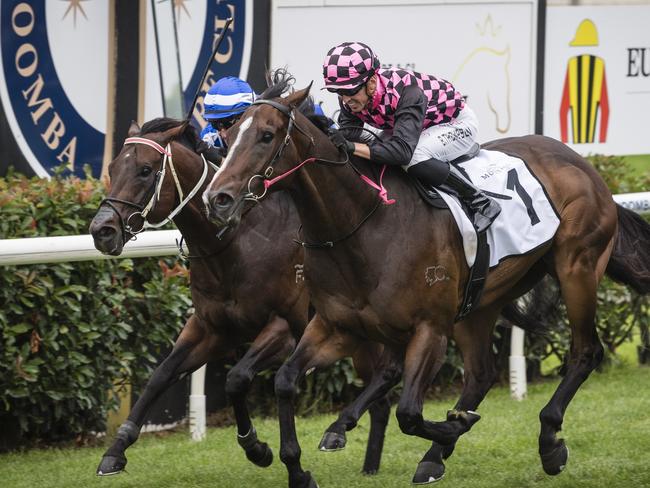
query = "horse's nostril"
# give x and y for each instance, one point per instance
(105, 232)
(223, 200)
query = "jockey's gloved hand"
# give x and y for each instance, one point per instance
(214, 154)
(341, 142)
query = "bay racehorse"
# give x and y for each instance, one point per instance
(365, 268)
(246, 286)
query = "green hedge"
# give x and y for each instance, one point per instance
(71, 332)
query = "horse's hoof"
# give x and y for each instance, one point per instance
(332, 441)
(466, 417)
(111, 465)
(305, 481)
(260, 455)
(371, 467)
(428, 472)
(555, 460)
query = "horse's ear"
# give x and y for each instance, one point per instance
(134, 129)
(175, 132)
(296, 98)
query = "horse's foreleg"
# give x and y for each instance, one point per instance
(425, 355)
(380, 371)
(272, 346)
(194, 347)
(320, 346)
(473, 337)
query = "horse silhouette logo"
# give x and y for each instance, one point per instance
(585, 91)
(485, 73)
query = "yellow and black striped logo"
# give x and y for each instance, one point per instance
(584, 97)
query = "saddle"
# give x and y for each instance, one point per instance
(429, 193)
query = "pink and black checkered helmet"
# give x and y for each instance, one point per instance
(349, 65)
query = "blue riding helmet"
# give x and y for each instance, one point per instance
(228, 97)
(318, 110)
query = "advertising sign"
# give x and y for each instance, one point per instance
(53, 81)
(198, 25)
(597, 78)
(74, 73)
(487, 50)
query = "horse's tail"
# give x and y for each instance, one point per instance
(630, 261)
(538, 311)
(524, 319)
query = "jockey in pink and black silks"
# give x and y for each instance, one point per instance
(425, 122)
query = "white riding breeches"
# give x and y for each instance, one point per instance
(447, 142)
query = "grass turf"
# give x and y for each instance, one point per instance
(607, 429)
(639, 163)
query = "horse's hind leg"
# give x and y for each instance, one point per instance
(192, 349)
(380, 371)
(473, 337)
(385, 375)
(379, 414)
(579, 270)
(271, 347)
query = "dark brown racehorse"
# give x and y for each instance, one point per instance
(246, 286)
(365, 268)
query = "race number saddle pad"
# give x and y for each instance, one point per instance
(527, 219)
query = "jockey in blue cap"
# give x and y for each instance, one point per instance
(224, 103)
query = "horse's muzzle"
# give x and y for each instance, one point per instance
(106, 232)
(220, 208)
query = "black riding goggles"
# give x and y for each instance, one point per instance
(346, 92)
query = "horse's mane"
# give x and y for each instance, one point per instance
(189, 137)
(280, 82)
(322, 122)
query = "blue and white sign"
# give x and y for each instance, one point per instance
(199, 25)
(53, 81)
(58, 80)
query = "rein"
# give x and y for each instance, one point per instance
(268, 181)
(329, 244)
(185, 256)
(144, 209)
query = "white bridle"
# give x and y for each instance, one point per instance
(167, 158)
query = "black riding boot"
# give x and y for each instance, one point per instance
(440, 174)
(483, 208)
(431, 172)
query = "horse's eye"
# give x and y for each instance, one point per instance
(145, 171)
(267, 136)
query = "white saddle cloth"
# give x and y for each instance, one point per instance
(527, 219)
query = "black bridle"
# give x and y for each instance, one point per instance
(268, 172)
